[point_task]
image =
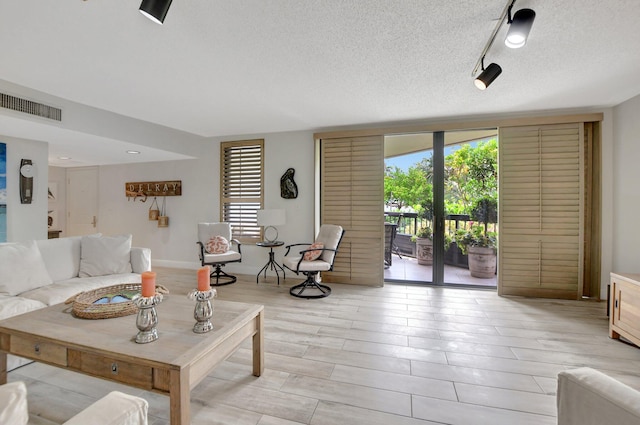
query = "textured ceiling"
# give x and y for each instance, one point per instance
(228, 67)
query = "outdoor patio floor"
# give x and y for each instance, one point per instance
(407, 268)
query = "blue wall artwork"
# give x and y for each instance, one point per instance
(3, 192)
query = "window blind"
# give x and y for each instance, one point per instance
(352, 196)
(242, 169)
(541, 211)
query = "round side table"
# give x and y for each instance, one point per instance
(272, 264)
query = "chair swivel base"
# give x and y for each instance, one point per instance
(221, 278)
(310, 284)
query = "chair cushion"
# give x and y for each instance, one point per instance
(13, 404)
(206, 230)
(217, 245)
(105, 255)
(329, 235)
(22, 268)
(305, 266)
(316, 253)
(222, 258)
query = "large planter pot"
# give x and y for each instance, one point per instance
(482, 262)
(424, 251)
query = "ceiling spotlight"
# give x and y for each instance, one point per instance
(64, 158)
(487, 76)
(156, 10)
(519, 27)
(132, 152)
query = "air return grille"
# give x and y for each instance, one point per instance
(29, 107)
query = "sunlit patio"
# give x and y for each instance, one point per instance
(407, 268)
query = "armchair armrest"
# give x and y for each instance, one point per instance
(140, 259)
(115, 408)
(238, 244)
(588, 397)
(292, 245)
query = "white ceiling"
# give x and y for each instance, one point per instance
(229, 67)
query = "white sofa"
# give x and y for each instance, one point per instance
(115, 408)
(588, 397)
(37, 274)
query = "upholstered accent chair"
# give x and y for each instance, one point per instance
(216, 245)
(116, 408)
(317, 257)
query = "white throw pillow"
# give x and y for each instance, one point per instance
(105, 255)
(21, 268)
(13, 404)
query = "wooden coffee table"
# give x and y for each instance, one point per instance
(174, 364)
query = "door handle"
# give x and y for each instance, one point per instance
(94, 221)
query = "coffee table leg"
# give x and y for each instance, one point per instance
(179, 395)
(3, 367)
(258, 346)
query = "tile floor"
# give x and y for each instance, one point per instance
(400, 354)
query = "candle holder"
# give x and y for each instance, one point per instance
(147, 319)
(203, 310)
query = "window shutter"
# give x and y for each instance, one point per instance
(352, 196)
(541, 211)
(241, 168)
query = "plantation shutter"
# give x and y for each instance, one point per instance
(352, 196)
(241, 174)
(541, 211)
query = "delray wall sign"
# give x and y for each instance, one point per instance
(143, 189)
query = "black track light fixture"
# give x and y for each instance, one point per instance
(519, 27)
(156, 10)
(487, 75)
(517, 34)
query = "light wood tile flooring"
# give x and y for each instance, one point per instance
(395, 355)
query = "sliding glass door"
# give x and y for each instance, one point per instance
(433, 182)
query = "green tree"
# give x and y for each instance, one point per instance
(471, 174)
(408, 189)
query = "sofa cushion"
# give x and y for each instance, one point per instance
(105, 255)
(13, 404)
(61, 257)
(12, 306)
(59, 292)
(21, 268)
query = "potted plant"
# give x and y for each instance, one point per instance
(424, 246)
(480, 246)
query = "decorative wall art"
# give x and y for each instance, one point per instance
(142, 190)
(288, 187)
(52, 210)
(3, 192)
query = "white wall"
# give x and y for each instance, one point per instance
(26, 221)
(176, 245)
(625, 204)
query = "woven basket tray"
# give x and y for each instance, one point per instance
(85, 306)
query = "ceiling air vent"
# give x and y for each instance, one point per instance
(29, 107)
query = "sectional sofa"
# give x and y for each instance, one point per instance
(39, 273)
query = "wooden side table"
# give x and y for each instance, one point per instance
(272, 264)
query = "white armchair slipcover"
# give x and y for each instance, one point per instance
(588, 397)
(115, 408)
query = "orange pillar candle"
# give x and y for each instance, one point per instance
(148, 284)
(204, 282)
